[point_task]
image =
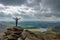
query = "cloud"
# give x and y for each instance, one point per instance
(3, 15)
(13, 11)
(12, 2)
(35, 4)
(31, 9)
(54, 5)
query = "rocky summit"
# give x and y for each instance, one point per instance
(18, 33)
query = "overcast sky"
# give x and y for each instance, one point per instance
(46, 10)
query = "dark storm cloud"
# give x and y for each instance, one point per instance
(50, 14)
(53, 4)
(57, 15)
(4, 15)
(54, 14)
(12, 2)
(24, 16)
(35, 4)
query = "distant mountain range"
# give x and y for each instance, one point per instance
(28, 24)
(31, 24)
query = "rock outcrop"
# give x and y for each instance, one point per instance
(18, 33)
(12, 33)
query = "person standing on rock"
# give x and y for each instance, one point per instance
(16, 19)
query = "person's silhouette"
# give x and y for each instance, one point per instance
(16, 19)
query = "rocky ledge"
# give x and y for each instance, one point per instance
(18, 33)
